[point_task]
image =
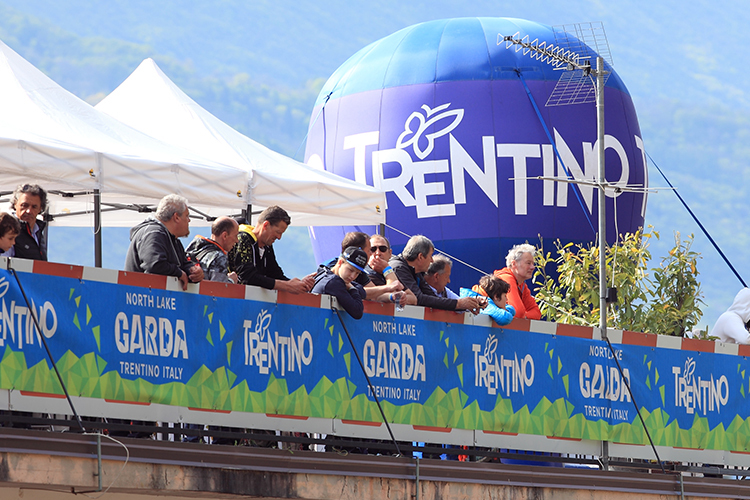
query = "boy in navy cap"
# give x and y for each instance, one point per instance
(339, 281)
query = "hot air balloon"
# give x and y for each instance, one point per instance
(454, 126)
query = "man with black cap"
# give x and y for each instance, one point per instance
(339, 281)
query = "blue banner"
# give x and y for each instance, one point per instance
(135, 344)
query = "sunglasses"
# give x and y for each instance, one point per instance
(382, 249)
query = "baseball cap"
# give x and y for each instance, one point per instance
(356, 257)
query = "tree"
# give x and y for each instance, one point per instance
(666, 301)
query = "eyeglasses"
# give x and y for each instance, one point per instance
(382, 249)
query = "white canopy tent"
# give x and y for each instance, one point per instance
(51, 137)
(150, 102)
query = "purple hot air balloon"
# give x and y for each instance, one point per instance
(452, 126)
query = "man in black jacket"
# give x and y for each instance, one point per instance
(155, 247)
(29, 200)
(254, 260)
(410, 267)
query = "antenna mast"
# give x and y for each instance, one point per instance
(572, 51)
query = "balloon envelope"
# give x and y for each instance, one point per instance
(453, 126)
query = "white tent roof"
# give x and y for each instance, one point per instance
(49, 136)
(150, 102)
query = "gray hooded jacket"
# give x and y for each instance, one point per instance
(154, 250)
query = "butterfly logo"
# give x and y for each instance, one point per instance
(262, 324)
(489, 348)
(417, 124)
(689, 369)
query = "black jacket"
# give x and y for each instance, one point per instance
(415, 282)
(154, 250)
(26, 246)
(251, 268)
(349, 298)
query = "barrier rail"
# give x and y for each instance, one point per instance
(136, 346)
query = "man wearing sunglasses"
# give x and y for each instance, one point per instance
(379, 271)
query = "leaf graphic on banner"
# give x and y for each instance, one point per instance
(460, 370)
(348, 362)
(100, 364)
(95, 331)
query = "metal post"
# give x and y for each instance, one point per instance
(97, 228)
(602, 197)
(602, 219)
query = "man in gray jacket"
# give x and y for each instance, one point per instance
(155, 247)
(410, 267)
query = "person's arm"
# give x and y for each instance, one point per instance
(294, 285)
(501, 316)
(373, 292)
(514, 298)
(349, 298)
(529, 303)
(273, 269)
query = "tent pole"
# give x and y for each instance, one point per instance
(248, 214)
(97, 228)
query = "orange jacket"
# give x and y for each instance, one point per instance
(519, 296)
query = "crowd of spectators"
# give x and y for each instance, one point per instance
(240, 253)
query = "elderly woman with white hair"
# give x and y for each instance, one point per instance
(520, 267)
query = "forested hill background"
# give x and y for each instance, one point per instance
(259, 66)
